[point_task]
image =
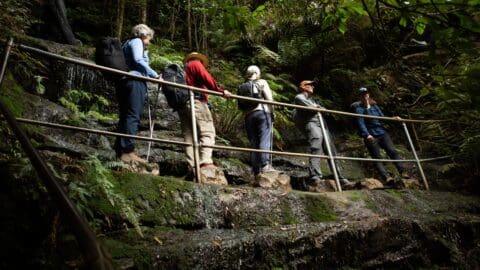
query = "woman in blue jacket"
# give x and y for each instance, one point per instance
(131, 93)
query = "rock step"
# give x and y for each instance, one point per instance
(163, 201)
(370, 243)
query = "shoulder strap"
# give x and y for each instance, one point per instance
(260, 89)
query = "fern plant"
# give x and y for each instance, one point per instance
(85, 105)
(99, 180)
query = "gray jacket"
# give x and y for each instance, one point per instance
(302, 117)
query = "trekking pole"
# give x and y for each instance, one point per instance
(152, 123)
(271, 141)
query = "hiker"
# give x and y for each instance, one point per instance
(198, 76)
(131, 93)
(258, 120)
(374, 134)
(309, 123)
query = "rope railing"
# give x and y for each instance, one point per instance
(197, 145)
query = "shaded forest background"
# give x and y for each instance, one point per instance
(419, 58)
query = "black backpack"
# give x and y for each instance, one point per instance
(246, 90)
(176, 97)
(109, 53)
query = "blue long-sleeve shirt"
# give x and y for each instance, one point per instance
(369, 126)
(137, 58)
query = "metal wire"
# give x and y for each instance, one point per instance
(221, 147)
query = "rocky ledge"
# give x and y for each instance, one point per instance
(192, 226)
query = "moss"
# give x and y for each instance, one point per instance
(160, 199)
(395, 193)
(229, 163)
(287, 213)
(120, 250)
(355, 195)
(318, 208)
(11, 93)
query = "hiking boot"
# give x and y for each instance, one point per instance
(136, 158)
(344, 181)
(268, 169)
(207, 165)
(405, 175)
(125, 157)
(315, 178)
(389, 180)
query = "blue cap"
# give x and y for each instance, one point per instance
(362, 90)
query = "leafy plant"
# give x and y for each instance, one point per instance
(98, 182)
(87, 105)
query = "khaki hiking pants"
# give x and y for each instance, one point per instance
(205, 131)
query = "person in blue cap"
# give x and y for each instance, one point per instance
(374, 135)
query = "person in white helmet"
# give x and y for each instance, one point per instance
(258, 121)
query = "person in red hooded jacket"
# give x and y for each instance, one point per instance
(198, 76)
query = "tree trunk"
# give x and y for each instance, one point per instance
(189, 23)
(143, 11)
(58, 8)
(120, 15)
(204, 33)
(173, 19)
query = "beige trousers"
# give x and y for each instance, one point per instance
(205, 131)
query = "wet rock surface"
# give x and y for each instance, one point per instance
(263, 229)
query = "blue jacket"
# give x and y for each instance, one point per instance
(368, 126)
(137, 58)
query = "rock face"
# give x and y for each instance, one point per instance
(211, 227)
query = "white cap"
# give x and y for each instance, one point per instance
(252, 70)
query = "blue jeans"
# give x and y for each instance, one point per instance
(131, 99)
(259, 130)
(384, 141)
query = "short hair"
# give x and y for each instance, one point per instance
(142, 31)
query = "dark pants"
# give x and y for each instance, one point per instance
(314, 134)
(131, 99)
(259, 130)
(384, 141)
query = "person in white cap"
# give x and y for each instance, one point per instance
(309, 123)
(258, 122)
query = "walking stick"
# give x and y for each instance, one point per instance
(152, 124)
(271, 140)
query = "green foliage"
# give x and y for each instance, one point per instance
(162, 53)
(319, 208)
(10, 92)
(15, 17)
(97, 181)
(87, 105)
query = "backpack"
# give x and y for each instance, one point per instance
(246, 89)
(109, 53)
(176, 97)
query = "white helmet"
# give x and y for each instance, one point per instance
(253, 70)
